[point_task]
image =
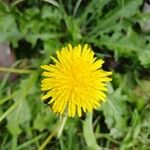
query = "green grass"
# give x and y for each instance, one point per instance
(35, 29)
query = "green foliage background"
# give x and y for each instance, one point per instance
(35, 29)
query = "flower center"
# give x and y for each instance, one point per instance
(78, 76)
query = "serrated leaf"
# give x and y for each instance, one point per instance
(116, 113)
(21, 114)
(18, 117)
(8, 28)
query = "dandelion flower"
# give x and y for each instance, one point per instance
(75, 81)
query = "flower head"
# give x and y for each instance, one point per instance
(75, 82)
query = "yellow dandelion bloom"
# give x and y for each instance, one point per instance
(75, 82)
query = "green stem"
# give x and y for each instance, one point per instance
(52, 2)
(54, 133)
(76, 7)
(47, 140)
(16, 2)
(8, 111)
(101, 135)
(19, 71)
(27, 143)
(62, 126)
(14, 142)
(5, 99)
